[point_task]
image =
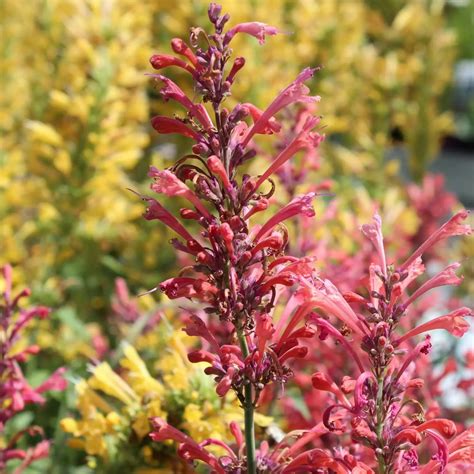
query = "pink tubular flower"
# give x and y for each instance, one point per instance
(171, 125)
(299, 205)
(460, 454)
(453, 322)
(409, 435)
(423, 347)
(314, 459)
(197, 327)
(161, 61)
(272, 127)
(445, 277)
(327, 297)
(304, 139)
(172, 91)
(327, 328)
(188, 448)
(15, 391)
(185, 287)
(445, 427)
(264, 331)
(156, 211)
(254, 28)
(167, 183)
(374, 233)
(451, 228)
(295, 92)
(180, 47)
(54, 382)
(321, 381)
(216, 166)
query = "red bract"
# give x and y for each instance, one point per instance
(15, 391)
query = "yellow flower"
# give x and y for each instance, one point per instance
(106, 380)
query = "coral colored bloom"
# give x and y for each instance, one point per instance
(295, 92)
(304, 139)
(453, 322)
(450, 229)
(300, 205)
(272, 127)
(172, 91)
(255, 28)
(156, 211)
(445, 277)
(161, 61)
(167, 183)
(374, 233)
(180, 47)
(170, 125)
(321, 381)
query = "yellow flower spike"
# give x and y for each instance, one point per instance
(62, 162)
(175, 372)
(113, 419)
(106, 380)
(43, 133)
(192, 413)
(59, 100)
(69, 425)
(138, 376)
(89, 401)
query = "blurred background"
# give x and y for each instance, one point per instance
(397, 88)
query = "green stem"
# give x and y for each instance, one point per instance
(248, 414)
(249, 431)
(380, 423)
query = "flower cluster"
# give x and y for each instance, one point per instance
(241, 271)
(15, 391)
(377, 406)
(115, 406)
(238, 267)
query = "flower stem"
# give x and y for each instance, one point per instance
(380, 424)
(248, 414)
(249, 431)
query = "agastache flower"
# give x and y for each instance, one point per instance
(167, 125)
(376, 417)
(295, 92)
(453, 322)
(15, 391)
(167, 183)
(285, 457)
(254, 28)
(172, 91)
(451, 228)
(374, 233)
(304, 139)
(241, 274)
(445, 277)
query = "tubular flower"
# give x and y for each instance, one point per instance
(239, 269)
(240, 273)
(375, 416)
(283, 458)
(15, 391)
